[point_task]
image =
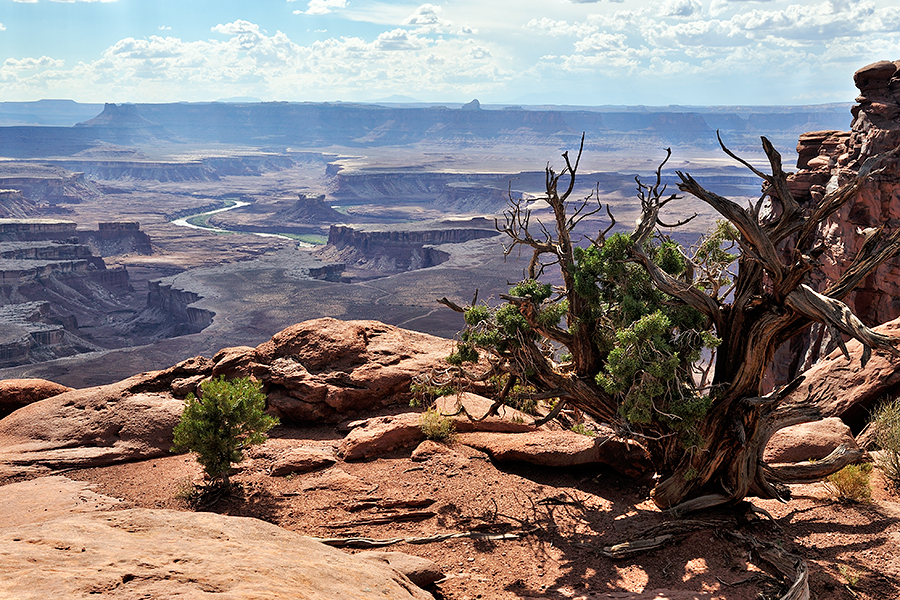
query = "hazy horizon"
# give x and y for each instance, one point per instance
(528, 52)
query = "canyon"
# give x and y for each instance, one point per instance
(333, 209)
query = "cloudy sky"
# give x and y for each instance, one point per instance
(583, 52)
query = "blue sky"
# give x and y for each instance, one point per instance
(579, 52)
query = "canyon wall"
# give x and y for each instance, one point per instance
(828, 159)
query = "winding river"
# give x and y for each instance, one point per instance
(184, 222)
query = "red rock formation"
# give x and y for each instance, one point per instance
(16, 393)
(327, 370)
(828, 159)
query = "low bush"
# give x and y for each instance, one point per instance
(582, 429)
(886, 430)
(437, 427)
(851, 484)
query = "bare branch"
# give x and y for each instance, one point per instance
(816, 307)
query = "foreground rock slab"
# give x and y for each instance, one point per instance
(808, 441)
(143, 553)
(48, 498)
(844, 388)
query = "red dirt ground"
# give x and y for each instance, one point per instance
(567, 517)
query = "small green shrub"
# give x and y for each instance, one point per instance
(227, 418)
(436, 426)
(886, 427)
(851, 484)
(583, 430)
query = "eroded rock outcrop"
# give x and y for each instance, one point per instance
(129, 420)
(394, 251)
(328, 370)
(828, 159)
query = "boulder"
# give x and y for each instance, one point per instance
(89, 427)
(16, 393)
(420, 571)
(429, 449)
(302, 460)
(144, 553)
(327, 370)
(808, 441)
(380, 435)
(562, 449)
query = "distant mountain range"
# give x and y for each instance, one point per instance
(278, 125)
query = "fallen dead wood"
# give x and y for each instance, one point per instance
(389, 504)
(364, 542)
(788, 569)
(661, 535)
(383, 520)
(792, 568)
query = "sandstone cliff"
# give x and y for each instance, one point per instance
(828, 159)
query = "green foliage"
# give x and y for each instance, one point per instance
(426, 392)
(580, 428)
(534, 290)
(714, 255)
(650, 340)
(227, 418)
(851, 484)
(646, 341)
(436, 426)
(886, 427)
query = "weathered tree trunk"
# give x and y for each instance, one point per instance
(770, 304)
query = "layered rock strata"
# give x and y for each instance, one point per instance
(386, 251)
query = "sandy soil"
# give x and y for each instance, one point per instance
(561, 518)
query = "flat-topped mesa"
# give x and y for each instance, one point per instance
(389, 251)
(109, 239)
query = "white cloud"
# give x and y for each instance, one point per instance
(681, 9)
(31, 63)
(427, 18)
(164, 28)
(321, 7)
(560, 28)
(237, 27)
(479, 53)
(2, 27)
(250, 61)
(399, 39)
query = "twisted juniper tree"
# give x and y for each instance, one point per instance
(623, 334)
